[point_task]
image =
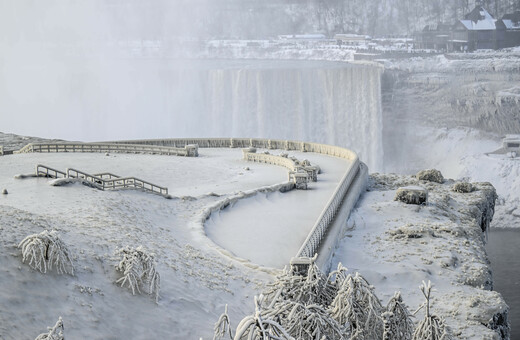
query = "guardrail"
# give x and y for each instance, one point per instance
(312, 242)
(134, 183)
(103, 181)
(45, 171)
(187, 150)
(96, 181)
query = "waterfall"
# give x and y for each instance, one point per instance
(324, 102)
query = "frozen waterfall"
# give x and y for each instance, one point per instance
(325, 102)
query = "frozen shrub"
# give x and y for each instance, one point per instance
(463, 187)
(308, 322)
(138, 268)
(223, 326)
(430, 175)
(357, 305)
(412, 195)
(431, 327)
(308, 287)
(260, 326)
(397, 320)
(45, 250)
(55, 333)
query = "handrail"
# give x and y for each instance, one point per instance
(133, 182)
(188, 151)
(106, 175)
(312, 242)
(49, 172)
(96, 181)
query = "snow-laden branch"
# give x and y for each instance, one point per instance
(45, 250)
(138, 268)
(55, 333)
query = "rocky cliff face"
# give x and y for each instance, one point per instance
(478, 91)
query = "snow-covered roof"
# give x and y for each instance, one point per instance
(479, 20)
(511, 25)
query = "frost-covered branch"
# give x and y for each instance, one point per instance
(357, 305)
(431, 327)
(223, 326)
(45, 250)
(138, 268)
(55, 333)
(397, 320)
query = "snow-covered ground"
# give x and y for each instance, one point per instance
(397, 246)
(460, 153)
(197, 279)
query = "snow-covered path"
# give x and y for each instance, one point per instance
(196, 280)
(269, 228)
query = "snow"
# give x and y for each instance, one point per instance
(277, 237)
(197, 278)
(397, 246)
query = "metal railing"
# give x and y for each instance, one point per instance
(187, 151)
(134, 183)
(312, 242)
(103, 181)
(45, 171)
(96, 181)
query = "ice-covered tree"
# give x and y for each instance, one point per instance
(397, 320)
(138, 268)
(431, 327)
(308, 287)
(54, 333)
(357, 306)
(44, 250)
(260, 326)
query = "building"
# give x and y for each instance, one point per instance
(508, 29)
(478, 30)
(434, 37)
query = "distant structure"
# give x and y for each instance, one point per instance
(351, 39)
(510, 146)
(478, 30)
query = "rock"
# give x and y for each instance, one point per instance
(412, 195)
(430, 175)
(4, 192)
(463, 187)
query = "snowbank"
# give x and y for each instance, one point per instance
(396, 246)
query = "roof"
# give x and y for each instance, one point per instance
(479, 20)
(511, 25)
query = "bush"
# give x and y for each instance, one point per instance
(430, 175)
(397, 320)
(46, 249)
(138, 268)
(412, 195)
(463, 187)
(358, 306)
(431, 327)
(55, 333)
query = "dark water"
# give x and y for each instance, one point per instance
(503, 250)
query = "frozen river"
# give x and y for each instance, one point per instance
(502, 248)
